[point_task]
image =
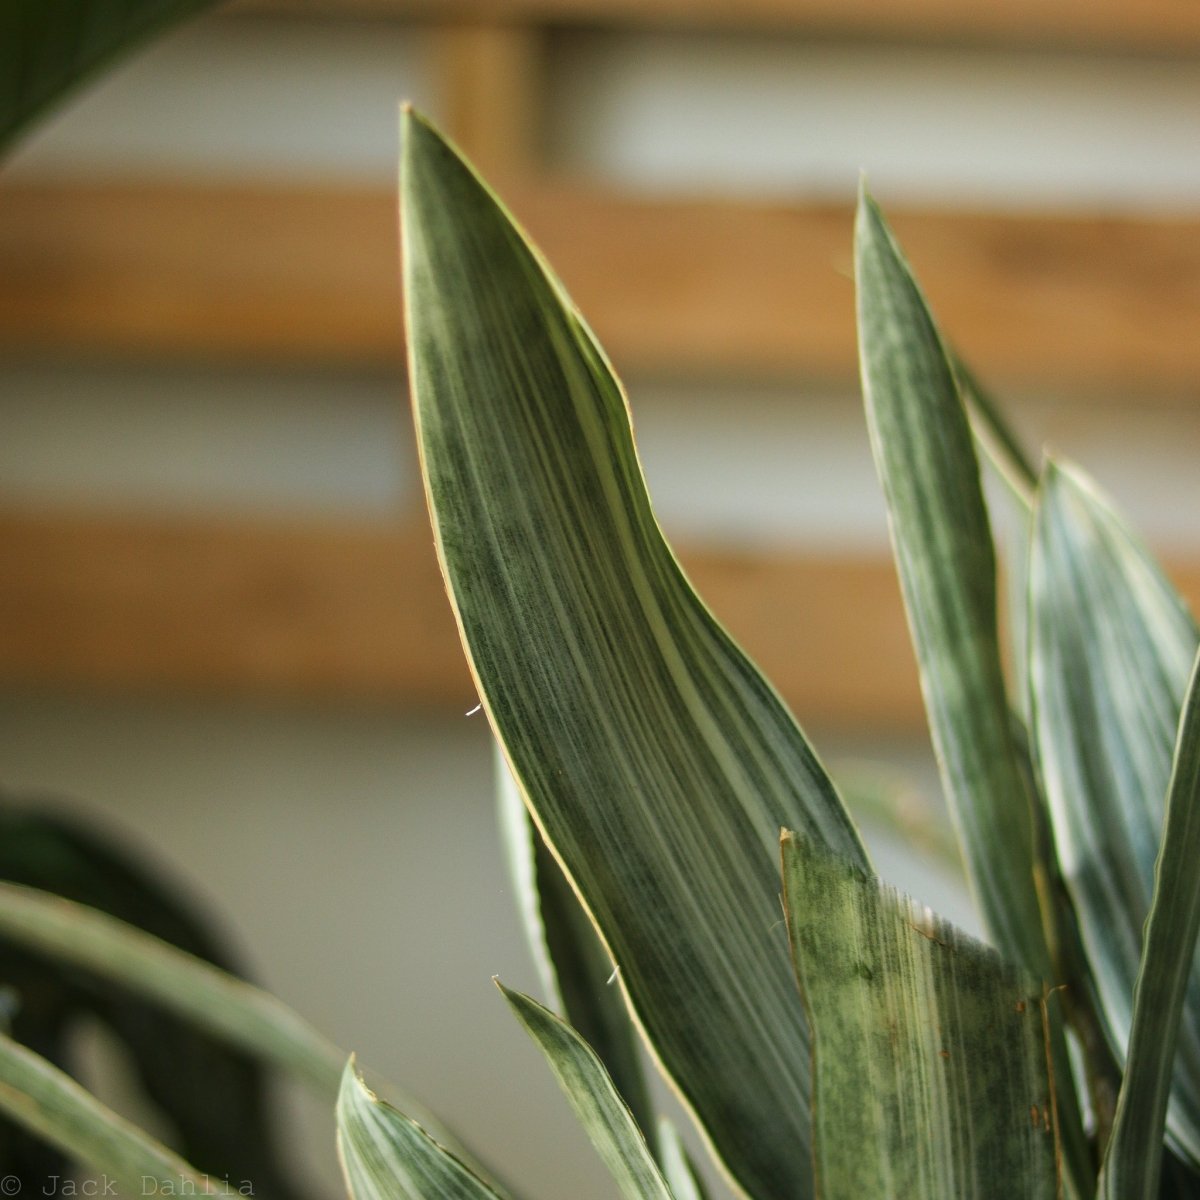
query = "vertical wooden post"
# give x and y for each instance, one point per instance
(491, 93)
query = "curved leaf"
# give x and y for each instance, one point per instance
(596, 1102)
(944, 551)
(656, 761)
(929, 1051)
(48, 47)
(222, 1004)
(213, 1095)
(1133, 1161)
(1112, 646)
(53, 1106)
(576, 970)
(388, 1156)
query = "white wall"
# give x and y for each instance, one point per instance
(354, 851)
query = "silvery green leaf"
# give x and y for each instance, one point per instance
(595, 1100)
(1112, 646)
(1134, 1158)
(577, 973)
(388, 1156)
(657, 762)
(930, 1074)
(942, 539)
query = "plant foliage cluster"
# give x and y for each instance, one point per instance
(659, 802)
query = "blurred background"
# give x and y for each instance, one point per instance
(221, 626)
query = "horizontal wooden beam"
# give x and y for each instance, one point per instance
(1165, 25)
(307, 274)
(354, 611)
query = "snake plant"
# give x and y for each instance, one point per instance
(663, 810)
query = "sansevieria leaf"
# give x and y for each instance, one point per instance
(1112, 647)
(388, 1156)
(942, 539)
(48, 46)
(944, 551)
(930, 1076)
(576, 970)
(595, 1100)
(1133, 1162)
(656, 761)
(49, 1103)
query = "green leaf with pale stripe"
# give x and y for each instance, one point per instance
(657, 762)
(1133, 1161)
(594, 1099)
(1112, 647)
(388, 1156)
(576, 971)
(49, 1103)
(930, 1077)
(943, 546)
(48, 47)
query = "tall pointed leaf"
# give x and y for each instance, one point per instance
(943, 545)
(594, 1098)
(1112, 647)
(576, 970)
(1133, 1162)
(657, 762)
(930, 1070)
(50, 1104)
(388, 1156)
(48, 47)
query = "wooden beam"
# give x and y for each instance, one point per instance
(489, 79)
(353, 611)
(1172, 26)
(1109, 304)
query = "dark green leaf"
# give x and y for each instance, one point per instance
(53, 1106)
(47, 47)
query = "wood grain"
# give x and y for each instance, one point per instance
(1163, 25)
(356, 611)
(1099, 303)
